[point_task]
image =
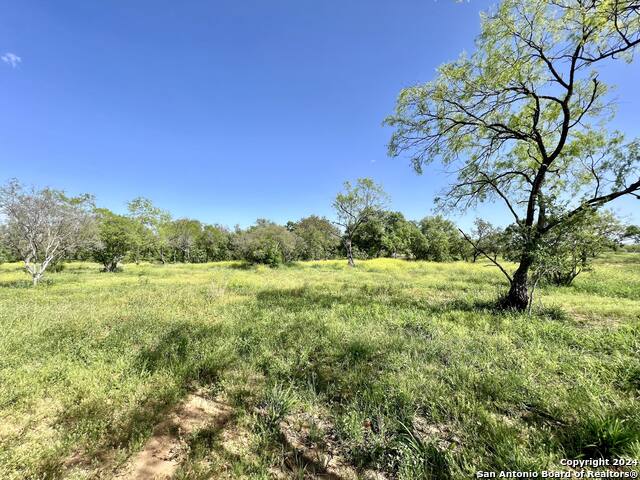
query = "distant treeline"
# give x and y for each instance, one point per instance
(383, 234)
(146, 233)
(44, 228)
(135, 237)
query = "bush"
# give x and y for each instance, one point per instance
(57, 267)
(115, 239)
(320, 238)
(266, 243)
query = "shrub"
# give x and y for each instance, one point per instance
(266, 243)
(115, 239)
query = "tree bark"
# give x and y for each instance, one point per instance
(518, 296)
(349, 248)
(111, 265)
(34, 270)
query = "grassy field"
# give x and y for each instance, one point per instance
(391, 370)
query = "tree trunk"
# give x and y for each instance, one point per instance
(349, 248)
(533, 289)
(111, 265)
(518, 296)
(34, 270)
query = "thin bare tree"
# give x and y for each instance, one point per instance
(44, 226)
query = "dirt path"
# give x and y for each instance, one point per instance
(164, 451)
(309, 445)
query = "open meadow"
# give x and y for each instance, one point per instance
(394, 369)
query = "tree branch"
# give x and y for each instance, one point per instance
(506, 274)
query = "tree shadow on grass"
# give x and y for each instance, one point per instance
(300, 299)
(25, 283)
(179, 353)
(109, 434)
(246, 266)
(16, 284)
(224, 441)
(170, 350)
(181, 350)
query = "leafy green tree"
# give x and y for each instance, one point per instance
(267, 243)
(182, 236)
(443, 240)
(369, 237)
(354, 206)
(5, 251)
(632, 232)
(487, 240)
(163, 240)
(320, 238)
(386, 234)
(399, 235)
(214, 243)
(569, 249)
(117, 237)
(147, 236)
(419, 246)
(520, 120)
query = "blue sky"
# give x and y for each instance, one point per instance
(230, 110)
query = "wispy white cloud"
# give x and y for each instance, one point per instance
(11, 59)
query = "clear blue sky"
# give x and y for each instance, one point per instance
(229, 110)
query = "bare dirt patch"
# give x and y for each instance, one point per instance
(443, 435)
(163, 453)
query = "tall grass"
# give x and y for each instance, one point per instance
(405, 365)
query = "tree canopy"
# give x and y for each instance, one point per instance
(266, 242)
(321, 239)
(117, 237)
(522, 119)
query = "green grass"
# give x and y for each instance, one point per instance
(404, 367)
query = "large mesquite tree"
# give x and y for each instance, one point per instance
(521, 120)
